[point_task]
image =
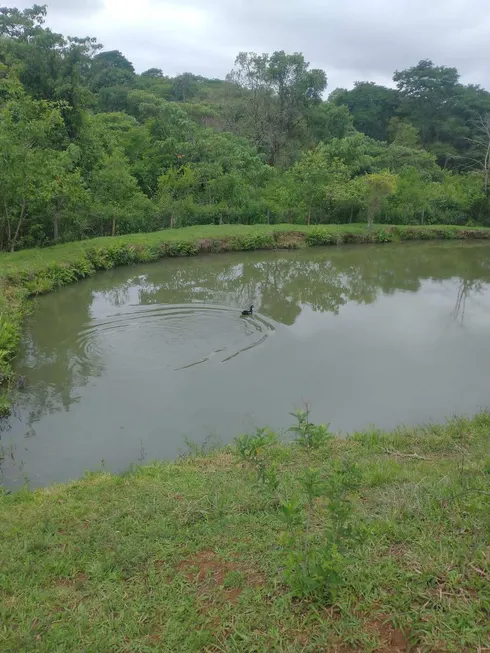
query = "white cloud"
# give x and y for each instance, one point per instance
(351, 40)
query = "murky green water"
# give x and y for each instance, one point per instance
(122, 367)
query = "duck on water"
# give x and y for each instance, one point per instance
(249, 312)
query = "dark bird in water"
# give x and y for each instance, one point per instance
(250, 312)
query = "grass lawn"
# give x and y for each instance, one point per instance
(190, 556)
(67, 252)
(37, 259)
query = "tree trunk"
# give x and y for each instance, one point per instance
(309, 214)
(351, 214)
(370, 217)
(486, 167)
(7, 223)
(19, 225)
(268, 216)
(56, 232)
(113, 225)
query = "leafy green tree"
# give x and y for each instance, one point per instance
(27, 128)
(277, 92)
(111, 69)
(371, 106)
(427, 93)
(312, 175)
(327, 120)
(377, 187)
(185, 87)
(113, 189)
(401, 132)
(414, 199)
(153, 73)
(63, 196)
(21, 25)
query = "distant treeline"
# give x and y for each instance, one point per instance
(89, 147)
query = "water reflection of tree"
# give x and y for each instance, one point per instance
(51, 355)
(466, 287)
(280, 284)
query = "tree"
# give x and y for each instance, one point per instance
(428, 97)
(414, 198)
(377, 187)
(153, 73)
(113, 188)
(277, 92)
(311, 176)
(401, 132)
(111, 69)
(371, 106)
(26, 129)
(185, 87)
(20, 25)
(64, 191)
(326, 120)
(480, 154)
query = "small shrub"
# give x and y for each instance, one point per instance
(249, 447)
(289, 239)
(308, 435)
(267, 476)
(314, 569)
(383, 236)
(316, 559)
(39, 286)
(321, 236)
(100, 258)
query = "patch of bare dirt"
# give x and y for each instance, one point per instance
(392, 639)
(210, 573)
(78, 579)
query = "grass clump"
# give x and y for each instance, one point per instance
(376, 541)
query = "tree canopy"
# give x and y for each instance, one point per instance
(89, 146)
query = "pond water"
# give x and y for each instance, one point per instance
(126, 365)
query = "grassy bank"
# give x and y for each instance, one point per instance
(32, 272)
(379, 542)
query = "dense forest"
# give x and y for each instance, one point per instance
(88, 147)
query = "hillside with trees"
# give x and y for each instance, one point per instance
(89, 147)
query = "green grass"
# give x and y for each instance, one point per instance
(36, 259)
(186, 556)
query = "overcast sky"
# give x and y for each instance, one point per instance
(350, 39)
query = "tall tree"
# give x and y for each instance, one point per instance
(428, 96)
(279, 90)
(372, 107)
(377, 187)
(111, 69)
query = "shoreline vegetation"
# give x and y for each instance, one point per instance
(373, 542)
(28, 273)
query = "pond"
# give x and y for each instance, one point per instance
(127, 365)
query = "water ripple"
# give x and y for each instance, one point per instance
(180, 336)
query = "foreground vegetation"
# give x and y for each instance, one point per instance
(91, 148)
(32, 272)
(375, 542)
